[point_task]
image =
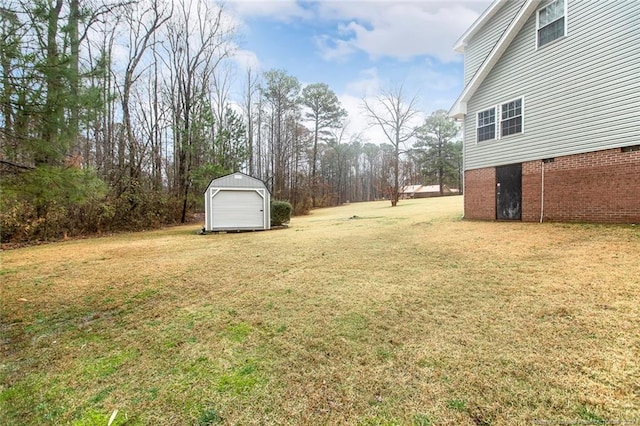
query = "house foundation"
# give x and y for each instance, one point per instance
(599, 187)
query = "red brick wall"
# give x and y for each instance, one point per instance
(602, 187)
(531, 184)
(479, 194)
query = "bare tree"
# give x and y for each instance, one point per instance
(221, 82)
(394, 115)
(198, 40)
(250, 90)
(281, 92)
(142, 23)
(340, 153)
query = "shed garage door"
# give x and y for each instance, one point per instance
(233, 209)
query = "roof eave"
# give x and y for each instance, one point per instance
(460, 45)
(459, 108)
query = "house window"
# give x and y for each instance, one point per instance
(511, 117)
(551, 22)
(486, 125)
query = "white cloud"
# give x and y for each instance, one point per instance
(433, 87)
(359, 124)
(399, 30)
(345, 31)
(367, 87)
(281, 10)
(332, 49)
(367, 83)
(380, 28)
(432, 79)
(246, 59)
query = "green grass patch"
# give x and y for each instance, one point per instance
(422, 420)
(384, 353)
(238, 332)
(96, 418)
(100, 396)
(457, 405)
(145, 294)
(38, 396)
(379, 420)
(352, 325)
(589, 416)
(4, 271)
(210, 416)
(102, 366)
(239, 380)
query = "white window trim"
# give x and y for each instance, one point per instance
(499, 108)
(498, 123)
(495, 124)
(566, 20)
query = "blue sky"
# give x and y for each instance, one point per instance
(359, 47)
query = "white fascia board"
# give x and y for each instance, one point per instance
(502, 45)
(458, 110)
(460, 45)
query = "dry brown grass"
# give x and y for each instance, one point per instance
(401, 315)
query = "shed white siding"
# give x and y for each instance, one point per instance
(237, 202)
(581, 92)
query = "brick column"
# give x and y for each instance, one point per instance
(480, 194)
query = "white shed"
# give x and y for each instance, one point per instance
(237, 202)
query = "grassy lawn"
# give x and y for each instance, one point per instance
(362, 314)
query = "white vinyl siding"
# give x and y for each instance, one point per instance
(582, 94)
(479, 47)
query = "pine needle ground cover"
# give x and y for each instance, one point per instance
(362, 314)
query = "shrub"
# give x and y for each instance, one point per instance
(303, 207)
(280, 212)
(48, 203)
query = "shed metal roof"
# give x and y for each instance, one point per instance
(236, 180)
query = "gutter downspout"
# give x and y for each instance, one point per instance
(542, 193)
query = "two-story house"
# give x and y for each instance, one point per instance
(551, 111)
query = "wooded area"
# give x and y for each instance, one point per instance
(115, 116)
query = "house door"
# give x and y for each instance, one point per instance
(509, 192)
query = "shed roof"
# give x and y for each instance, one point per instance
(236, 180)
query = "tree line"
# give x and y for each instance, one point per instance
(115, 116)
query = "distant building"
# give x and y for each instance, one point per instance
(425, 191)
